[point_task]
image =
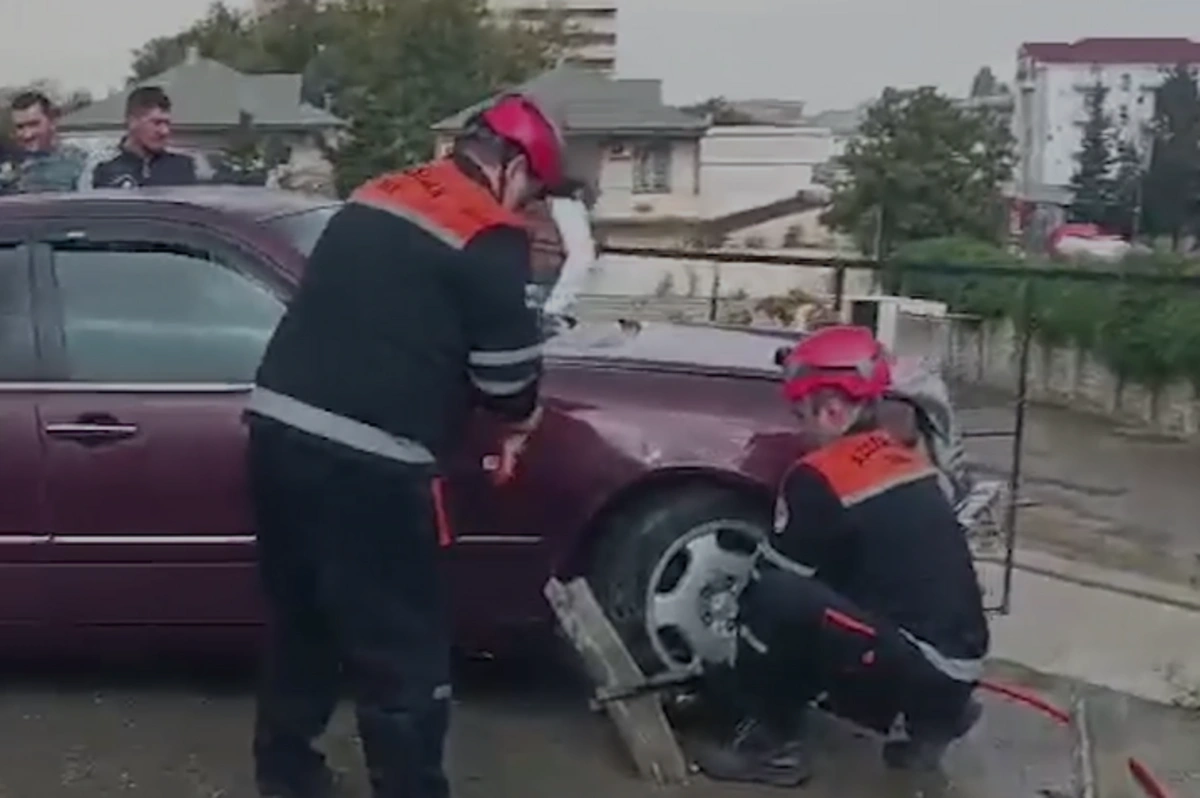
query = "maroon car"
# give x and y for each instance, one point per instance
(131, 325)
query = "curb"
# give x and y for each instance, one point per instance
(1093, 576)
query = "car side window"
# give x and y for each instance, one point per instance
(136, 312)
(16, 319)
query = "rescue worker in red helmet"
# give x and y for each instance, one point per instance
(411, 312)
(865, 593)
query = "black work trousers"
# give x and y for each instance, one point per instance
(349, 559)
(799, 641)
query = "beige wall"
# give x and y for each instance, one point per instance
(752, 165)
(755, 165)
(619, 198)
(987, 354)
(611, 168)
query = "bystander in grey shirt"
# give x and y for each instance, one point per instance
(54, 170)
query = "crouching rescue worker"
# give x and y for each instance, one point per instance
(412, 310)
(865, 598)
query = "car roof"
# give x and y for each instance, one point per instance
(249, 202)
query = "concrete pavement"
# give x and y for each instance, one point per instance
(520, 731)
(1118, 633)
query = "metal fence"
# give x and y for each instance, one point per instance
(949, 340)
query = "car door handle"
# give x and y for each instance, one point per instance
(92, 429)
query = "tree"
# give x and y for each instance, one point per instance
(985, 83)
(1172, 187)
(1092, 184)
(250, 154)
(391, 69)
(407, 64)
(223, 34)
(921, 166)
(1125, 217)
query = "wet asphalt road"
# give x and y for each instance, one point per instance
(520, 731)
(1102, 492)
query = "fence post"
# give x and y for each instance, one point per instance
(839, 287)
(1018, 441)
(715, 297)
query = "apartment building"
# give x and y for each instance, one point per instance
(1053, 81)
(591, 27)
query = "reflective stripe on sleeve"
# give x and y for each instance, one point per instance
(502, 387)
(504, 357)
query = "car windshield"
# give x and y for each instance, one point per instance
(304, 228)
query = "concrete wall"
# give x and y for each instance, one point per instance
(747, 166)
(988, 354)
(632, 276)
(608, 164)
(754, 165)
(779, 233)
(655, 277)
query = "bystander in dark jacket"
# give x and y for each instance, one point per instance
(142, 158)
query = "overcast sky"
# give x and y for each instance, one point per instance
(832, 53)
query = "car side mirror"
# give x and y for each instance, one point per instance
(781, 355)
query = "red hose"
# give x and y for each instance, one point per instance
(1151, 786)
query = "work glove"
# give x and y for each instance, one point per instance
(512, 446)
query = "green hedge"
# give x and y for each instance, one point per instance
(1146, 334)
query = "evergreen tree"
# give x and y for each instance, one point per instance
(922, 166)
(1172, 187)
(1124, 217)
(1095, 190)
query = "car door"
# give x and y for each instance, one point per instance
(159, 329)
(23, 538)
(495, 552)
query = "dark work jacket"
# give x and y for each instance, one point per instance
(411, 311)
(131, 170)
(866, 516)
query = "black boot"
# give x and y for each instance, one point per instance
(324, 783)
(925, 747)
(757, 755)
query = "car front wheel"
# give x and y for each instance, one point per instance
(668, 573)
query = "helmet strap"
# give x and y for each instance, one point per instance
(502, 183)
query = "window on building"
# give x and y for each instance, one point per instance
(652, 168)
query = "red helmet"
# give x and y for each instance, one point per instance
(843, 357)
(518, 119)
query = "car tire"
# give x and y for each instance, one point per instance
(637, 539)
